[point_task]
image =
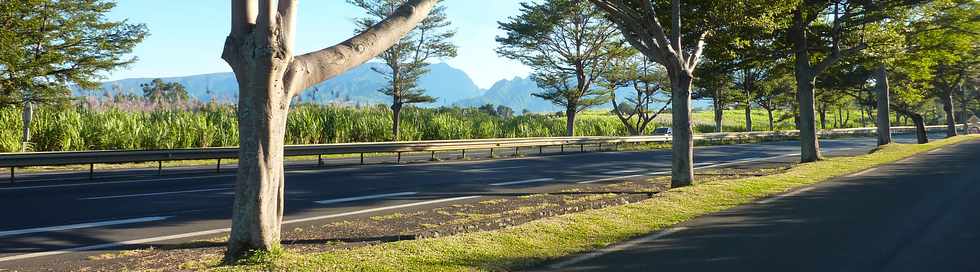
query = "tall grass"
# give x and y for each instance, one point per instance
(84, 127)
(108, 127)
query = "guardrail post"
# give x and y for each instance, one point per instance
(362, 158)
(517, 151)
(464, 154)
(600, 147)
(218, 169)
(432, 157)
(319, 160)
(491, 152)
(563, 149)
(159, 168)
(12, 180)
(91, 171)
(581, 147)
(399, 158)
(540, 150)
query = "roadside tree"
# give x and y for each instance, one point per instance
(259, 50)
(569, 45)
(50, 46)
(408, 60)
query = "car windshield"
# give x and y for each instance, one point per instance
(661, 131)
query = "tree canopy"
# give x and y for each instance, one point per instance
(51, 45)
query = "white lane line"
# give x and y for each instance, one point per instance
(702, 167)
(219, 231)
(615, 248)
(937, 150)
(156, 194)
(608, 179)
(358, 198)
(702, 164)
(777, 198)
(627, 171)
(109, 182)
(866, 171)
(112, 245)
(329, 216)
(521, 182)
(492, 169)
(83, 225)
(747, 161)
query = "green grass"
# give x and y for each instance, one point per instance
(556, 237)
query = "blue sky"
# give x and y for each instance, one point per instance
(186, 36)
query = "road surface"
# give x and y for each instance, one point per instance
(920, 214)
(45, 220)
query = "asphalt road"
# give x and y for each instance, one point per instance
(45, 219)
(920, 214)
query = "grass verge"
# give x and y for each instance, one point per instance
(555, 237)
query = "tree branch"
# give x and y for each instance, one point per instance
(835, 56)
(309, 69)
(243, 15)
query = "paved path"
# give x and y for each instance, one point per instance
(920, 214)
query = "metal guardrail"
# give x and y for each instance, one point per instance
(13, 160)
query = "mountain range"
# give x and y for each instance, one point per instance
(359, 86)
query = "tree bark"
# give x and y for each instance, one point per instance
(823, 117)
(719, 112)
(884, 106)
(570, 112)
(27, 117)
(683, 136)
(920, 128)
(947, 99)
(748, 117)
(772, 124)
(396, 121)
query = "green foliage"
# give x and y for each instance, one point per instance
(567, 44)
(158, 91)
(49, 44)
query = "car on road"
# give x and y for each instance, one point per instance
(663, 131)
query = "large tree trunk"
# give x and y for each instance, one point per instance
(947, 99)
(805, 77)
(396, 120)
(683, 136)
(964, 112)
(823, 117)
(748, 117)
(28, 115)
(719, 113)
(570, 112)
(884, 98)
(772, 124)
(809, 144)
(920, 128)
